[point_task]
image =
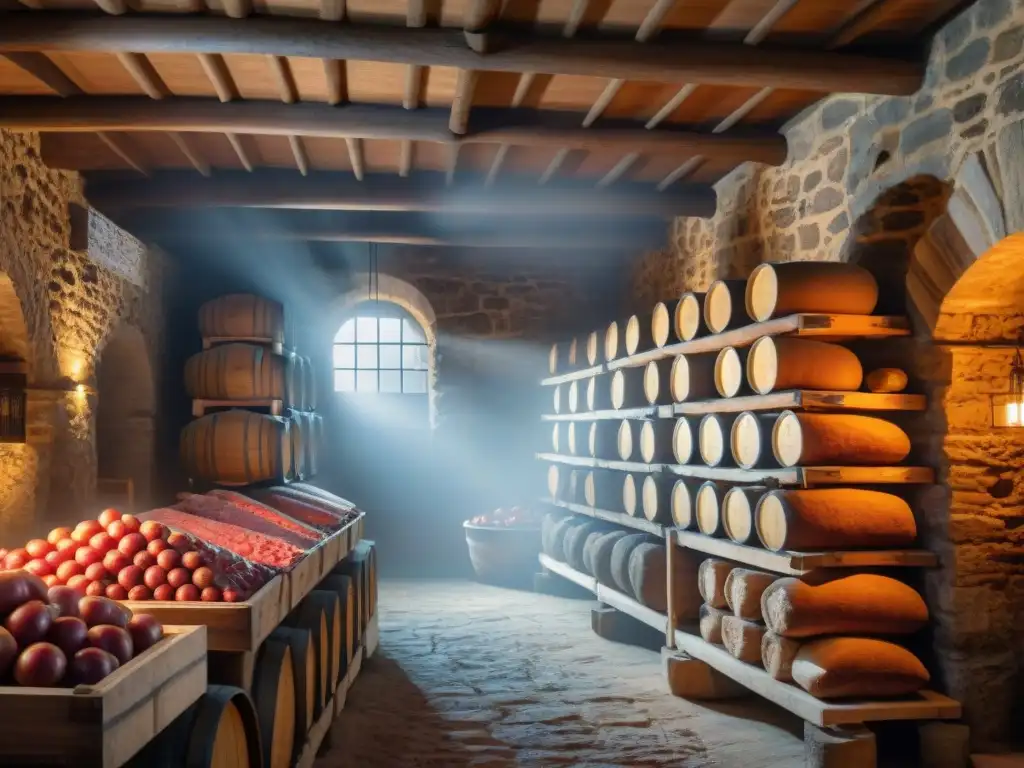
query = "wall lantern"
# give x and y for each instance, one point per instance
(1008, 410)
(12, 401)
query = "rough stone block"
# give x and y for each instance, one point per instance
(839, 747)
(690, 678)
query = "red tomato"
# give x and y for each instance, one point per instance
(117, 530)
(102, 542)
(87, 556)
(69, 569)
(38, 548)
(57, 534)
(131, 523)
(107, 516)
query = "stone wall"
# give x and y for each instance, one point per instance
(918, 190)
(68, 306)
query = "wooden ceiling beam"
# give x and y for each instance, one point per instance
(332, 10)
(113, 7)
(45, 71)
(462, 103)
(144, 74)
(237, 9)
(384, 192)
(336, 74)
(517, 128)
(405, 159)
(355, 156)
(122, 152)
(712, 63)
(243, 157)
(282, 73)
(299, 152)
(680, 173)
(190, 152)
(217, 73)
(554, 166)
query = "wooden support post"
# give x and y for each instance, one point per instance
(670, 628)
(850, 746)
(690, 678)
(603, 620)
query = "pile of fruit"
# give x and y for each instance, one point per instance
(514, 517)
(119, 557)
(58, 636)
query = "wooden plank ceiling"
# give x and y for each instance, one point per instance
(557, 107)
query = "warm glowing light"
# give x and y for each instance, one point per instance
(80, 389)
(77, 366)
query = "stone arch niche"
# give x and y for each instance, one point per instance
(406, 296)
(126, 404)
(19, 463)
(963, 287)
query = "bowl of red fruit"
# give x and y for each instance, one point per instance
(503, 545)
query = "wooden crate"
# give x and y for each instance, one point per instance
(230, 626)
(104, 725)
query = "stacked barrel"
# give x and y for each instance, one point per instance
(702, 469)
(254, 400)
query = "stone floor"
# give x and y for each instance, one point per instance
(469, 675)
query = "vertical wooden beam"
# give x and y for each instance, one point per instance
(219, 76)
(337, 81)
(282, 72)
(299, 151)
(406, 158)
(463, 102)
(189, 152)
(45, 71)
(143, 73)
(121, 151)
(681, 172)
(332, 10)
(236, 144)
(238, 9)
(416, 13)
(480, 14)
(413, 86)
(355, 156)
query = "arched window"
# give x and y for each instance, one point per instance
(380, 348)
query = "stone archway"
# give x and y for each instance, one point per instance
(964, 290)
(126, 404)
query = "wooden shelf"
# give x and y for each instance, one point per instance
(821, 327)
(796, 399)
(801, 563)
(925, 705)
(261, 341)
(619, 518)
(804, 477)
(201, 405)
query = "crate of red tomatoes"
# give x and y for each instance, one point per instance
(84, 681)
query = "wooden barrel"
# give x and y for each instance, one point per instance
(619, 562)
(562, 357)
(775, 364)
(738, 513)
(330, 603)
(318, 433)
(709, 508)
(575, 543)
(614, 344)
(729, 376)
(354, 566)
(656, 437)
(292, 381)
(237, 448)
(593, 347)
(657, 500)
(683, 441)
(371, 579)
(688, 321)
(303, 654)
(310, 616)
(299, 440)
(235, 372)
(627, 388)
(573, 439)
(751, 440)
(556, 398)
(648, 575)
(713, 439)
(242, 316)
(600, 559)
(310, 381)
(657, 382)
(637, 336)
(807, 439)
(662, 330)
(573, 398)
(602, 489)
(625, 442)
(299, 393)
(684, 513)
(273, 693)
(723, 305)
(631, 502)
(692, 377)
(553, 544)
(599, 393)
(556, 437)
(311, 447)
(220, 730)
(833, 518)
(345, 589)
(603, 439)
(828, 287)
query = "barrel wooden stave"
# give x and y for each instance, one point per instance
(627, 388)
(692, 377)
(235, 372)
(662, 323)
(345, 588)
(242, 315)
(778, 289)
(724, 306)
(684, 499)
(237, 447)
(688, 319)
(656, 496)
(637, 336)
(603, 489)
(614, 340)
(658, 382)
(806, 439)
(273, 694)
(312, 618)
(303, 653)
(750, 440)
(656, 436)
(777, 363)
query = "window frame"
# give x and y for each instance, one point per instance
(378, 311)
